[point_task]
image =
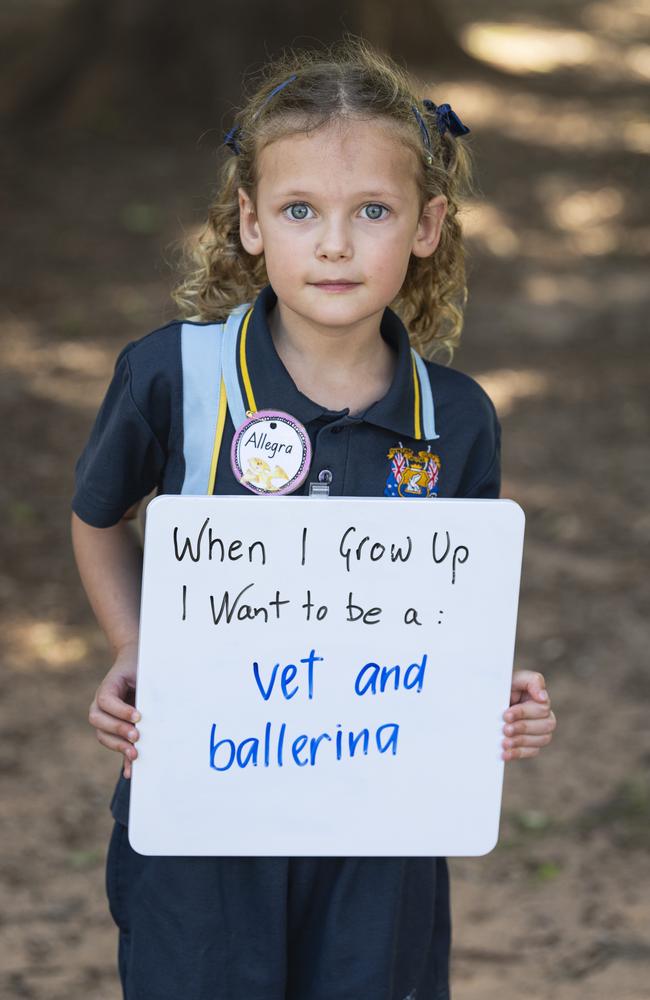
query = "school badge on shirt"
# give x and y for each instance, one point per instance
(412, 474)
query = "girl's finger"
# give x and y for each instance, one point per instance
(519, 753)
(115, 743)
(527, 710)
(526, 741)
(530, 726)
(108, 724)
(531, 681)
(113, 705)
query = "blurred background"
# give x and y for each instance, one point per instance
(112, 117)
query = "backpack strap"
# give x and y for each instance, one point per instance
(201, 350)
(209, 366)
(428, 411)
(229, 365)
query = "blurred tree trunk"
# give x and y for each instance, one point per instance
(144, 66)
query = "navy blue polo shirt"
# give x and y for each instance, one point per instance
(136, 445)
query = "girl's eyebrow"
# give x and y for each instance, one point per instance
(359, 194)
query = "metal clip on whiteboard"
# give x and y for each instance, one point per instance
(319, 489)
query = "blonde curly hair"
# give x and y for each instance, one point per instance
(347, 81)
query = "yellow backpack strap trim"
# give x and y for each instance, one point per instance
(243, 364)
(424, 407)
(218, 435)
(417, 421)
(231, 338)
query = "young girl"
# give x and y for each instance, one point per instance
(337, 218)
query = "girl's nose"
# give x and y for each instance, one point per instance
(335, 242)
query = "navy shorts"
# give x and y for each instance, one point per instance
(279, 928)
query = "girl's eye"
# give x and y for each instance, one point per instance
(298, 211)
(374, 211)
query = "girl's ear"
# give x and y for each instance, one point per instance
(427, 235)
(249, 228)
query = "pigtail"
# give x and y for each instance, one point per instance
(433, 298)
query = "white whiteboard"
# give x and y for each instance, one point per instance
(321, 754)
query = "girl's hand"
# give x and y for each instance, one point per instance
(529, 720)
(112, 713)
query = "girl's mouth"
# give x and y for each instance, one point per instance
(336, 286)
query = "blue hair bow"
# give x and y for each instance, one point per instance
(446, 119)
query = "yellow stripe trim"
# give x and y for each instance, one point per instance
(417, 421)
(244, 367)
(218, 436)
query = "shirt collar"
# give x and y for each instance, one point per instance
(273, 387)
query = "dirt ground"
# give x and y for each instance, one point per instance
(556, 331)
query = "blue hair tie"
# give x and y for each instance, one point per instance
(233, 135)
(276, 90)
(426, 138)
(231, 139)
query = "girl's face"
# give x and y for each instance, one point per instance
(337, 216)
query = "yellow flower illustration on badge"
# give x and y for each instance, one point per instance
(259, 473)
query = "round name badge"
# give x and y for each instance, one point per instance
(271, 453)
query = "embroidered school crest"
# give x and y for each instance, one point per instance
(411, 474)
